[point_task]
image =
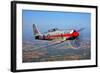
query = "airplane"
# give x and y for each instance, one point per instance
(57, 36)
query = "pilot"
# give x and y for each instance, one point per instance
(54, 29)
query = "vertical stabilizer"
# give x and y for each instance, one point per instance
(36, 31)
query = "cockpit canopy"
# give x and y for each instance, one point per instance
(54, 29)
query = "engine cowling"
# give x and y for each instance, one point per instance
(75, 34)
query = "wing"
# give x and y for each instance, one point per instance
(52, 43)
(56, 42)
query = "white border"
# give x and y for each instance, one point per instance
(21, 65)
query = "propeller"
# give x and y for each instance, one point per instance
(81, 29)
(76, 43)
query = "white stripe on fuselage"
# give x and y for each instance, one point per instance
(55, 33)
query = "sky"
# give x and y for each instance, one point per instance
(46, 20)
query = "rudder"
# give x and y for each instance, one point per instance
(36, 31)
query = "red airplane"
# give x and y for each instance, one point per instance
(55, 35)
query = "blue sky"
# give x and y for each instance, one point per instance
(46, 20)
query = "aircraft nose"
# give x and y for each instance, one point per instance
(75, 34)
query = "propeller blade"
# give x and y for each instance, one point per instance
(70, 44)
(76, 42)
(81, 29)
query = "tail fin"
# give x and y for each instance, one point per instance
(36, 31)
